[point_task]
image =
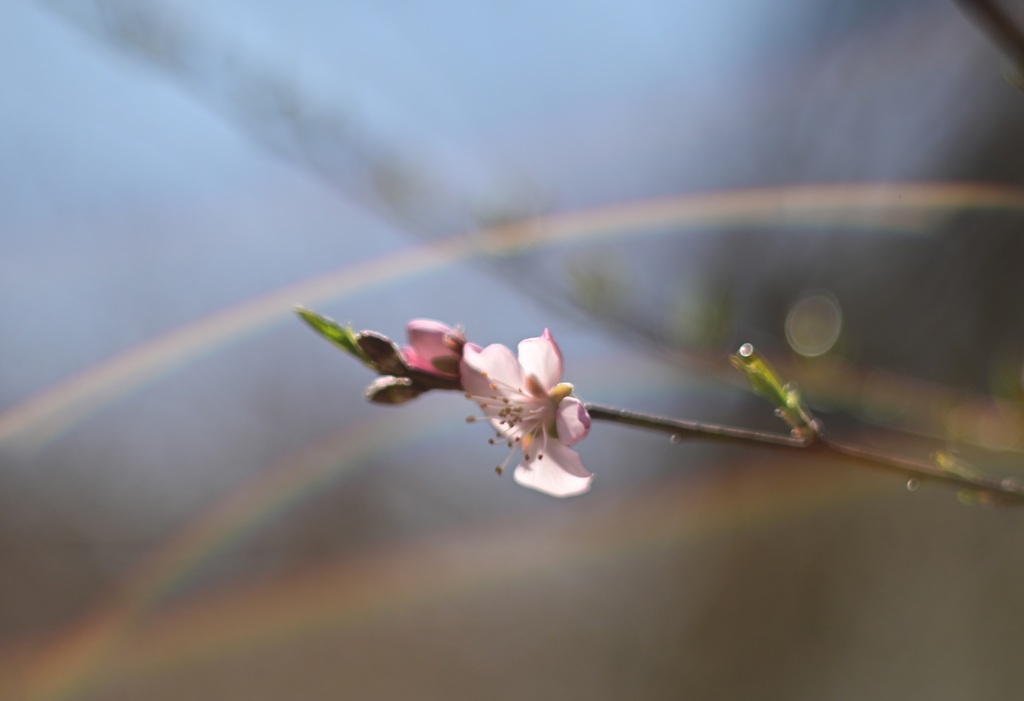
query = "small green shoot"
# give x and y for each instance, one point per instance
(765, 380)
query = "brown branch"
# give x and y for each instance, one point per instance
(978, 487)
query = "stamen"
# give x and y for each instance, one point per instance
(520, 419)
(470, 419)
(508, 459)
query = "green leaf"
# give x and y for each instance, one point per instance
(342, 336)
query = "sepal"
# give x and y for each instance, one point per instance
(384, 355)
(392, 390)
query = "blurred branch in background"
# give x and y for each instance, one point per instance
(1004, 31)
(278, 114)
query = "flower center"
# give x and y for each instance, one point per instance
(519, 417)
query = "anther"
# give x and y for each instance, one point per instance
(499, 470)
(470, 419)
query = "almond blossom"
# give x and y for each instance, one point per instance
(532, 410)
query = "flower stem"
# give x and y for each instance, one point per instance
(978, 487)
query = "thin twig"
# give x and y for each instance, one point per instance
(1009, 490)
(695, 429)
(980, 486)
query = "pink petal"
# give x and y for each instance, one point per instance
(428, 333)
(427, 339)
(495, 364)
(415, 360)
(560, 473)
(541, 358)
(572, 421)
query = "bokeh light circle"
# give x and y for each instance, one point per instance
(813, 324)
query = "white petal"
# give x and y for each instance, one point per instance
(559, 473)
(497, 365)
(572, 420)
(542, 358)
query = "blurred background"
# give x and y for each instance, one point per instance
(196, 502)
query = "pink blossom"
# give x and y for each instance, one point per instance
(532, 410)
(434, 348)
